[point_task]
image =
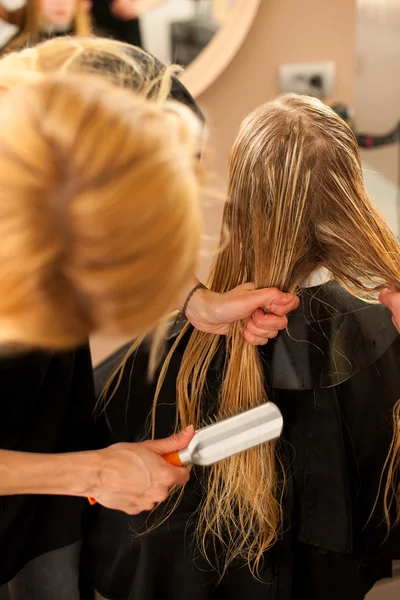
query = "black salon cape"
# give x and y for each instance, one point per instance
(46, 406)
(124, 31)
(336, 378)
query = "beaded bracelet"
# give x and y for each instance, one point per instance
(199, 286)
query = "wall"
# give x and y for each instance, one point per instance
(284, 31)
(377, 99)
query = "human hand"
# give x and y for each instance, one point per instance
(214, 313)
(134, 477)
(125, 9)
(392, 300)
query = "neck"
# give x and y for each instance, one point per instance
(319, 276)
(47, 28)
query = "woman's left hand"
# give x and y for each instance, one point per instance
(214, 313)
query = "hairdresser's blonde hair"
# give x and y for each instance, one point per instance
(99, 209)
(297, 202)
(31, 30)
(119, 63)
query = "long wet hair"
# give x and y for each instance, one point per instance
(31, 30)
(296, 202)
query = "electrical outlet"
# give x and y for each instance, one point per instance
(313, 79)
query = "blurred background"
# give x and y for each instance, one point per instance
(238, 54)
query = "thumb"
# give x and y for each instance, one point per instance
(174, 443)
(273, 300)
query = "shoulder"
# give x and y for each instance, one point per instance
(331, 337)
(331, 300)
(21, 368)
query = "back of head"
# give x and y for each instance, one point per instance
(99, 215)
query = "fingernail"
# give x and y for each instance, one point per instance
(189, 429)
(282, 299)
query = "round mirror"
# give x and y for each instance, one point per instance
(200, 35)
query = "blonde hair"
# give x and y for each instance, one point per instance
(30, 33)
(99, 209)
(119, 63)
(297, 202)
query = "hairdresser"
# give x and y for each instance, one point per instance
(134, 477)
(46, 388)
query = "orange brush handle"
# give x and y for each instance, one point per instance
(172, 458)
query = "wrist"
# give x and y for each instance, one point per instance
(202, 309)
(81, 473)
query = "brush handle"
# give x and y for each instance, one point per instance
(172, 458)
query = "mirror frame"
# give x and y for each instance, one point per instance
(222, 49)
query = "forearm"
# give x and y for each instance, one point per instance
(73, 474)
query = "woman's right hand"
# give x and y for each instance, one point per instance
(134, 477)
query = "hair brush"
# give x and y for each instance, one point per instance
(228, 437)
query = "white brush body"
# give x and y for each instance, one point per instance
(233, 435)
